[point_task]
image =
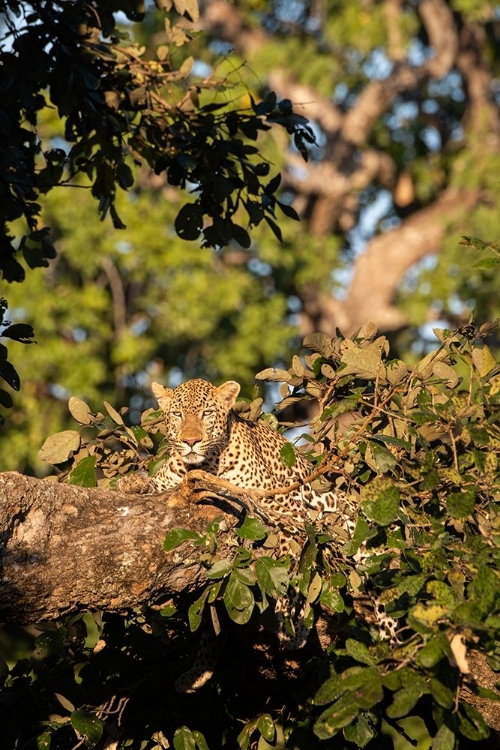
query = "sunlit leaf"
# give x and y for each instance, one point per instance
(79, 410)
(59, 447)
(84, 473)
(87, 725)
(175, 537)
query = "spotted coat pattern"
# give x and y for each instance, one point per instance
(205, 433)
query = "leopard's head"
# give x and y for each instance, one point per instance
(197, 417)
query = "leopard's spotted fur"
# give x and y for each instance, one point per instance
(205, 433)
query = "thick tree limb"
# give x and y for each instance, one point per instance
(68, 549)
(379, 270)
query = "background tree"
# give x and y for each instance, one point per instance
(403, 101)
(115, 111)
(404, 96)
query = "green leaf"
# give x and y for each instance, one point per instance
(385, 509)
(266, 727)
(59, 447)
(287, 454)
(340, 407)
(442, 593)
(220, 569)
(478, 244)
(201, 742)
(404, 700)
(168, 611)
(239, 600)
(330, 597)
(272, 576)
(251, 528)
(184, 739)
(484, 589)
(329, 691)
(429, 613)
(245, 575)
(430, 654)
(87, 725)
(471, 724)
(339, 715)
(360, 732)
(84, 473)
(487, 263)
(384, 459)
(359, 651)
(445, 739)
(364, 684)
(338, 579)
(175, 537)
(195, 611)
(441, 694)
(361, 533)
(244, 736)
(43, 741)
(411, 584)
(390, 440)
(49, 644)
(461, 504)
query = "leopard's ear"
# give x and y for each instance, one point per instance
(163, 395)
(228, 393)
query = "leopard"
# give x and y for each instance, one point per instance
(203, 431)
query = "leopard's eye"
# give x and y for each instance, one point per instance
(176, 414)
(207, 412)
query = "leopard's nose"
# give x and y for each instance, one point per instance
(191, 441)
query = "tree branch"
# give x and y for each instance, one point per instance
(379, 270)
(67, 549)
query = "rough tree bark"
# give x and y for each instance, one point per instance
(67, 549)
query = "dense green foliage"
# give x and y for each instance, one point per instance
(420, 458)
(119, 109)
(132, 118)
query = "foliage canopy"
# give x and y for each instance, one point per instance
(404, 103)
(118, 110)
(420, 457)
